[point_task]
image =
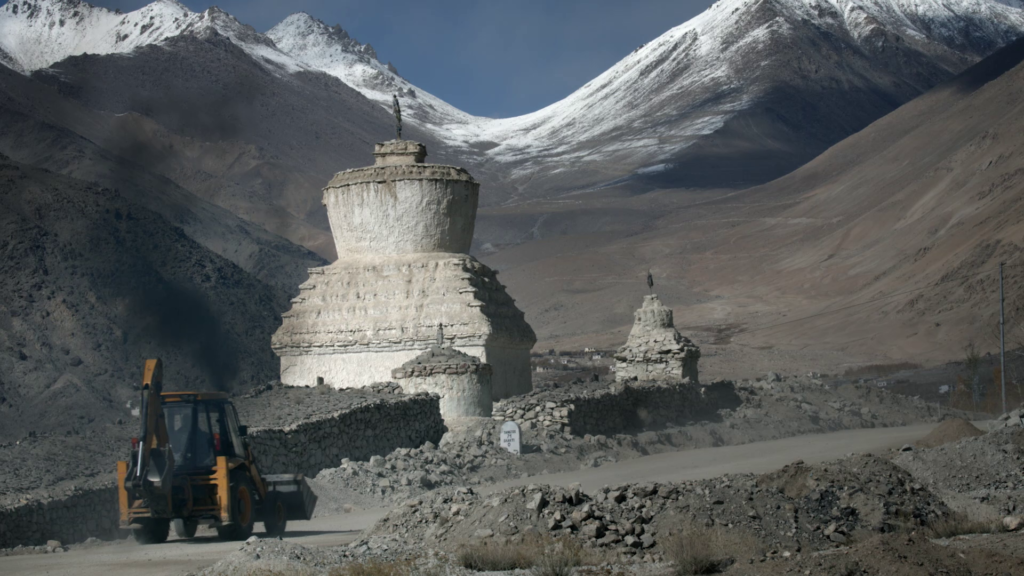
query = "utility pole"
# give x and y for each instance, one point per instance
(1002, 340)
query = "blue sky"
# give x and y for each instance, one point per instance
(489, 57)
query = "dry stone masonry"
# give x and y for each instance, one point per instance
(655, 350)
(461, 380)
(402, 229)
(621, 407)
(358, 432)
(83, 514)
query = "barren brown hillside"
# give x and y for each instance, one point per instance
(884, 247)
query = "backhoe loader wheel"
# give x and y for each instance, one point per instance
(275, 516)
(153, 530)
(185, 528)
(243, 508)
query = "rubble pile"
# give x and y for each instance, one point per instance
(982, 476)
(796, 509)
(1013, 419)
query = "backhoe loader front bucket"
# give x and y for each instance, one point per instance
(293, 490)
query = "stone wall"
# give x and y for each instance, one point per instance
(618, 408)
(367, 430)
(73, 518)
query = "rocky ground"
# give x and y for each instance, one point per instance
(863, 514)
(48, 464)
(470, 455)
(980, 476)
(797, 509)
(771, 407)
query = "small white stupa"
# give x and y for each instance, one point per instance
(655, 350)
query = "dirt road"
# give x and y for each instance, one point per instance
(179, 556)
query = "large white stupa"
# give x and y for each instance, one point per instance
(403, 230)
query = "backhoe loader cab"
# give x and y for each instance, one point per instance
(192, 464)
(201, 427)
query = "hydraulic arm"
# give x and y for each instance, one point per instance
(152, 466)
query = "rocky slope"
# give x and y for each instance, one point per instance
(91, 284)
(200, 101)
(39, 126)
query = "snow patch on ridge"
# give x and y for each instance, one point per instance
(331, 50)
(35, 34)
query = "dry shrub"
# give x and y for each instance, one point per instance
(957, 524)
(544, 555)
(291, 571)
(374, 568)
(492, 556)
(560, 558)
(697, 549)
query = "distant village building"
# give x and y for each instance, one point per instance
(655, 350)
(403, 230)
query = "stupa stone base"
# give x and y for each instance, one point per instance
(461, 380)
(356, 320)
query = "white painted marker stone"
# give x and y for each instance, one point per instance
(511, 437)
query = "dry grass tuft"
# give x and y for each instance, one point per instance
(491, 556)
(957, 524)
(291, 571)
(560, 558)
(374, 568)
(543, 555)
(697, 549)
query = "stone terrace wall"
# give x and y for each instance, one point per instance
(618, 408)
(358, 433)
(74, 518)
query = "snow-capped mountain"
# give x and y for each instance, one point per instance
(37, 33)
(745, 92)
(697, 79)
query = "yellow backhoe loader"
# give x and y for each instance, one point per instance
(191, 464)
